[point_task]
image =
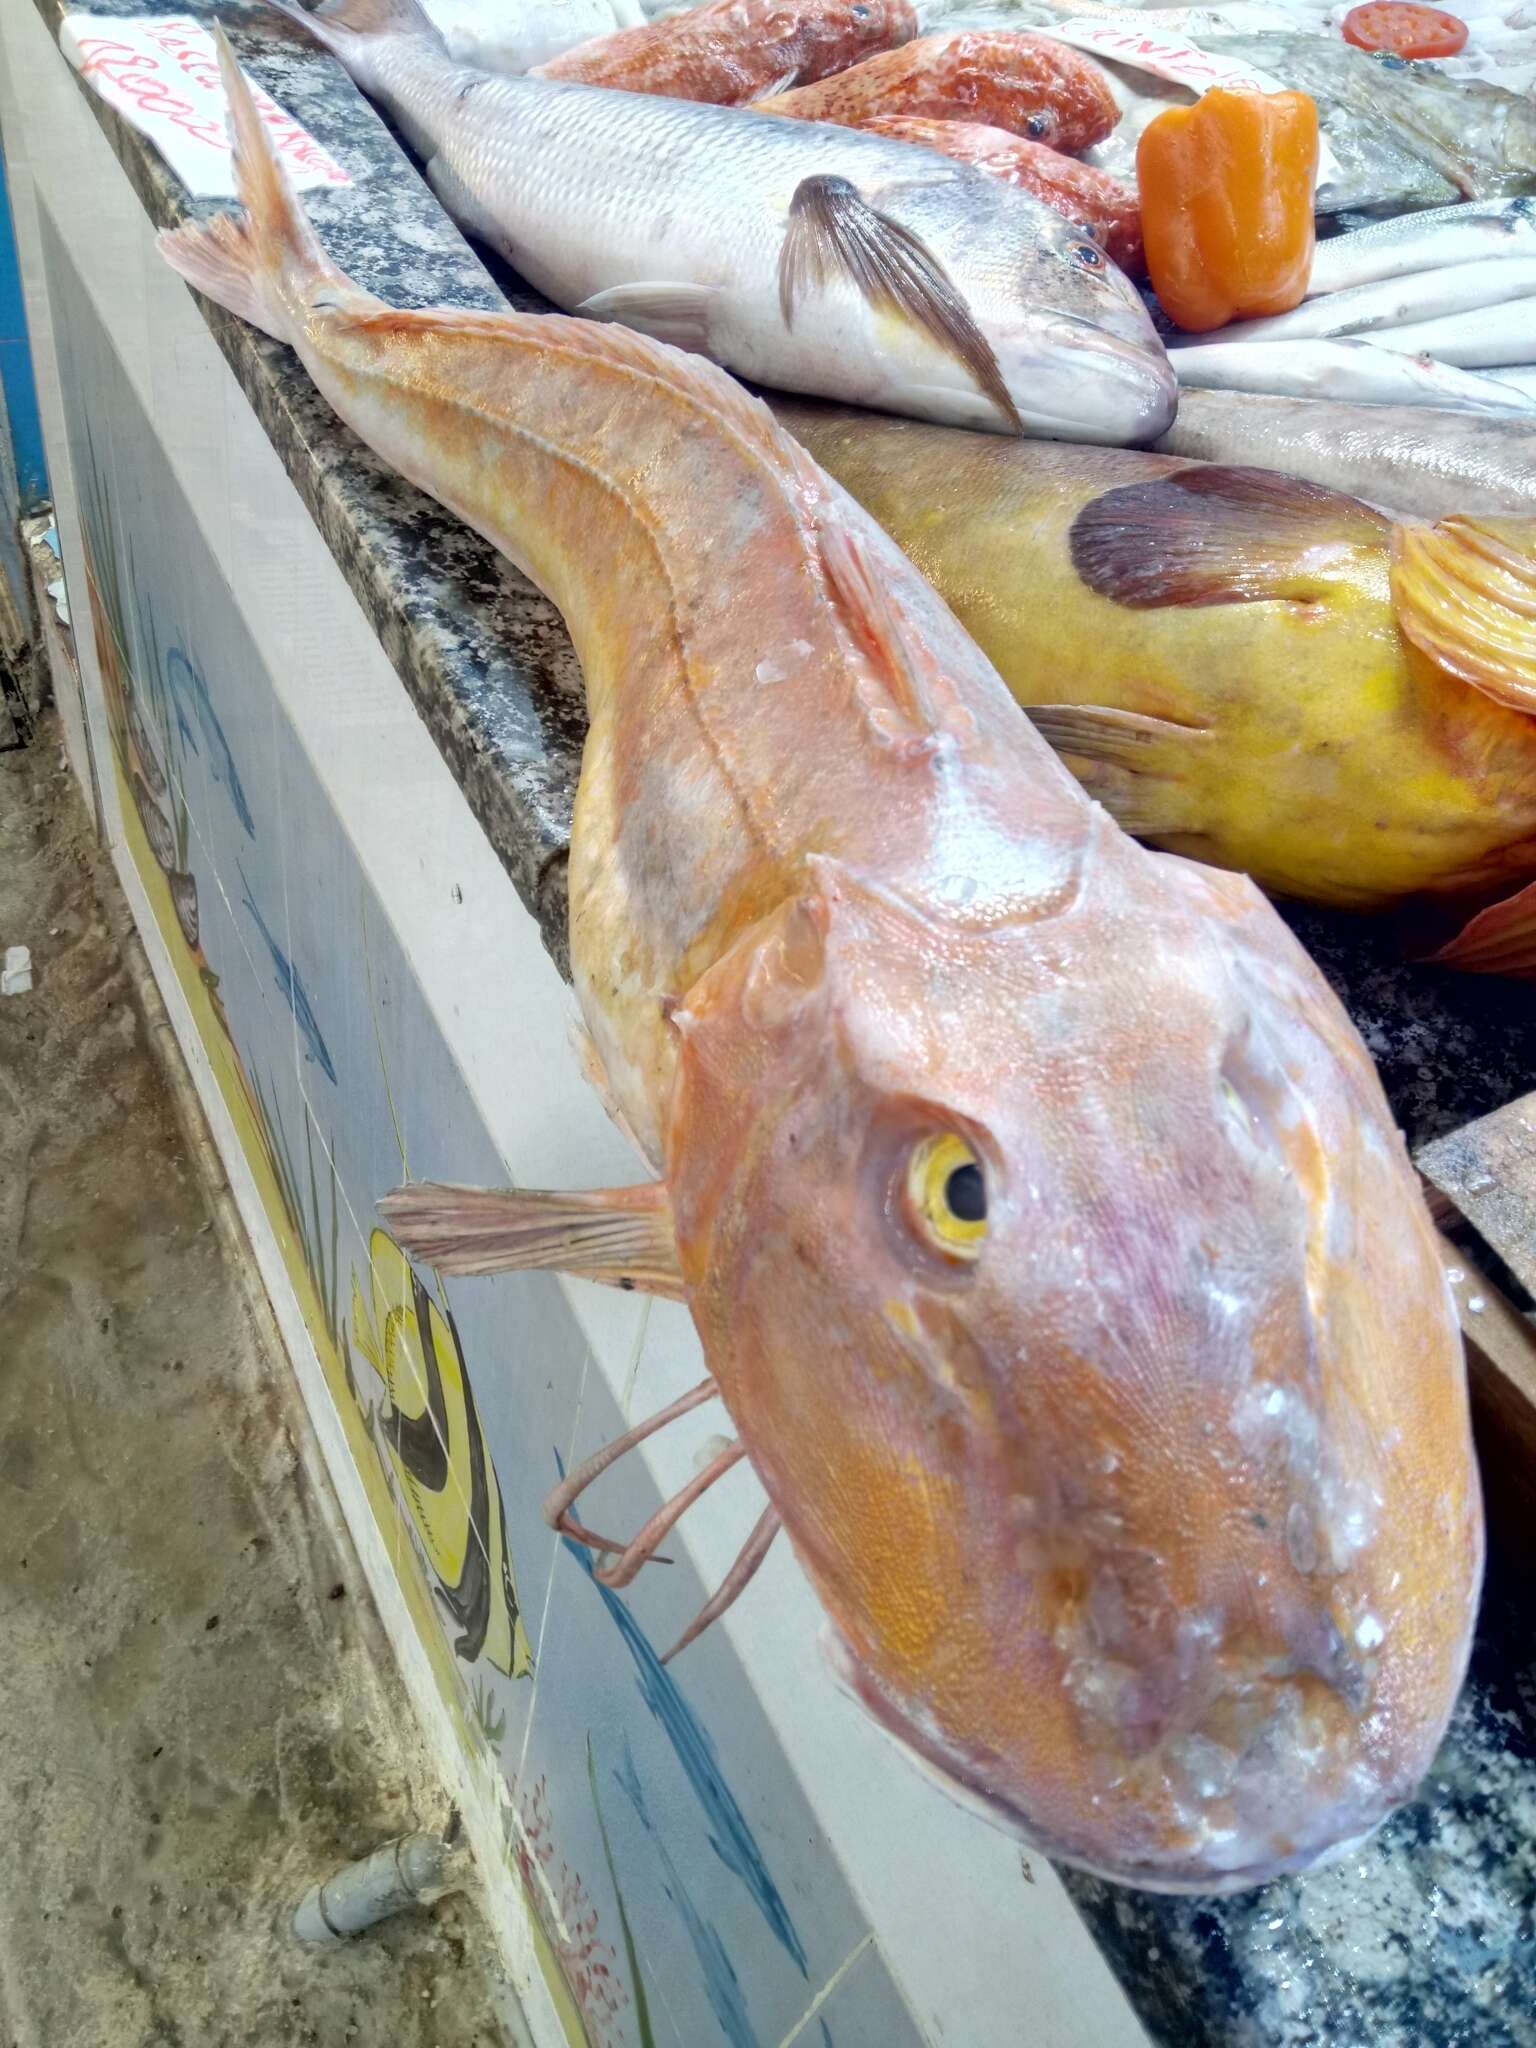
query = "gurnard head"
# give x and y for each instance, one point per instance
(1075, 1299)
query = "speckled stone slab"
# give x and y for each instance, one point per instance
(1424, 1939)
(484, 656)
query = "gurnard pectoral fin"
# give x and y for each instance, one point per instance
(1136, 766)
(834, 233)
(1464, 592)
(1499, 940)
(676, 313)
(622, 1237)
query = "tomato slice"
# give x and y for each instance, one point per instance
(1404, 28)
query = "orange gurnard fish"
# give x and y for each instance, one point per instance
(734, 51)
(1000, 77)
(1110, 211)
(1050, 1243)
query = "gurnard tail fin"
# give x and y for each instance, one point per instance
(250, 266)
(340, 22)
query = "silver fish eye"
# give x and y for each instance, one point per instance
(1088, 254)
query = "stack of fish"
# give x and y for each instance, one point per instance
(1024, 1133)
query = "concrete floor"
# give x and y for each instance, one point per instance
(198, 1714)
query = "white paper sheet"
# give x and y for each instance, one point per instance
(162, 74)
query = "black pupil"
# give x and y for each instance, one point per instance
(966, 1193)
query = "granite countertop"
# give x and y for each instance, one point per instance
(1426, 1938)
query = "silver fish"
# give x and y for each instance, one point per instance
(1516, 380)
(813, 258)
(514, 35)
(1396, 301)
(1354, 370)
(1413, 460)
(1403, 134)
(1424, 241)
(1493, 338)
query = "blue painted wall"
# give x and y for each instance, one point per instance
(16, 369)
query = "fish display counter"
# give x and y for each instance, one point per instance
(355, 896)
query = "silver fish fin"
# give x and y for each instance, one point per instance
(675, 313)
(622, 1237)
(1499, 940)
(1217, 535)
(908, 698)
(1134, 765)
(835, 233)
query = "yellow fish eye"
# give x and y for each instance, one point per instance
(947, 1196)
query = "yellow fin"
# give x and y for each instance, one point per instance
(1464, 592)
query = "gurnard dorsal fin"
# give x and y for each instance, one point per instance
(908, 697)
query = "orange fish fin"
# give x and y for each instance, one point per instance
(1464, 592)
(908, 698)
(1136, 766)
(622, 1237)
(833, 232)
(1211, 534)
(1499, 940)
(253, 266)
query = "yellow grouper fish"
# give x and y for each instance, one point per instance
(1243, 667)
(1050, 1241)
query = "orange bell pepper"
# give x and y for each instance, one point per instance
(1226, 205)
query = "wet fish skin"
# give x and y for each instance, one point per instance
(1413, 459)
(733, 51)
(673, 218)
(1362, 310)
(1501, 337)
(1154, 1527)
(1307, 745)
(1522, 380)
(1405, 134)
(1024, 84)
(514, 35)
(1093, 199)
(1412, 242)
(1365, 371)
